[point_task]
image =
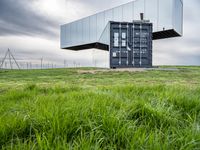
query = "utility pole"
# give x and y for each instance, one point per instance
(30, 65)
(64, 63)
(41, 63)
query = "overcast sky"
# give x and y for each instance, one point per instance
(30, 28)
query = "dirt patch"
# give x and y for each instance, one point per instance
(130, 69)
(88, 71)
(111, 70)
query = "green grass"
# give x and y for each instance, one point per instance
(67, 109)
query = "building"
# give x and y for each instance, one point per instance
(93, 31)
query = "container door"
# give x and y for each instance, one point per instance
(119, 53)
(129, 45)
(136, 58)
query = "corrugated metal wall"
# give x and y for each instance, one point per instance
(130, 44)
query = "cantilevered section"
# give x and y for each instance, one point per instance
(93, 31)
(89, 46)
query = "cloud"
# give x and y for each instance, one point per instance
(19, 18)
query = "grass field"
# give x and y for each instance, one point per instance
(73, 109)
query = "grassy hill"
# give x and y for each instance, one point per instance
(92, 109)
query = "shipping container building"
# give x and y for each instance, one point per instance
(94, 31)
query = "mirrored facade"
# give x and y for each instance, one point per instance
(166, 16)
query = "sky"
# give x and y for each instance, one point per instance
(31, 28)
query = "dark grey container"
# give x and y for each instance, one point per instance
(130, 44)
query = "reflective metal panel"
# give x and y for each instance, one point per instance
(117, 14)
(166, 16)
(79, 31)
(86, 30)
(105, 36)
(178, 16)
(93, 28)
(73, 33)
(108, 16)
(100, 24)
(62, 36)
(67, 40)
(127, 13)
(151, 12)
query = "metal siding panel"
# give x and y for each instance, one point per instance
(164, 20)
(108, 16)
(62, 37)
(67, 34)
(73, 33)
(79, 31)
(178, 16)
(104, 38)
(86, 30)
(100, 24)
(127, 13)
(151, 12)
(165, 15)
(93, 28)
(117, 14)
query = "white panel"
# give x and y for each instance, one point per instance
(108, 16)
(86, 30)
(123, 43)
(67, 34)
(105, 36)
(70, 40)
(73, 33)
(93, 28)
(100, 24)
(165, 15)
(116, 39)
(123, 35)
(151, 12)
(178, 16)
(62, 35)
(127, 12)
(79, 31)
(117, 14)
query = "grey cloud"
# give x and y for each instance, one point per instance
(18, 18)
(186, 59)
(96, 6)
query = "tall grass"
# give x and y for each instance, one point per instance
(65, 114)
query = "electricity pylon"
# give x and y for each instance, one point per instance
(10, 57)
